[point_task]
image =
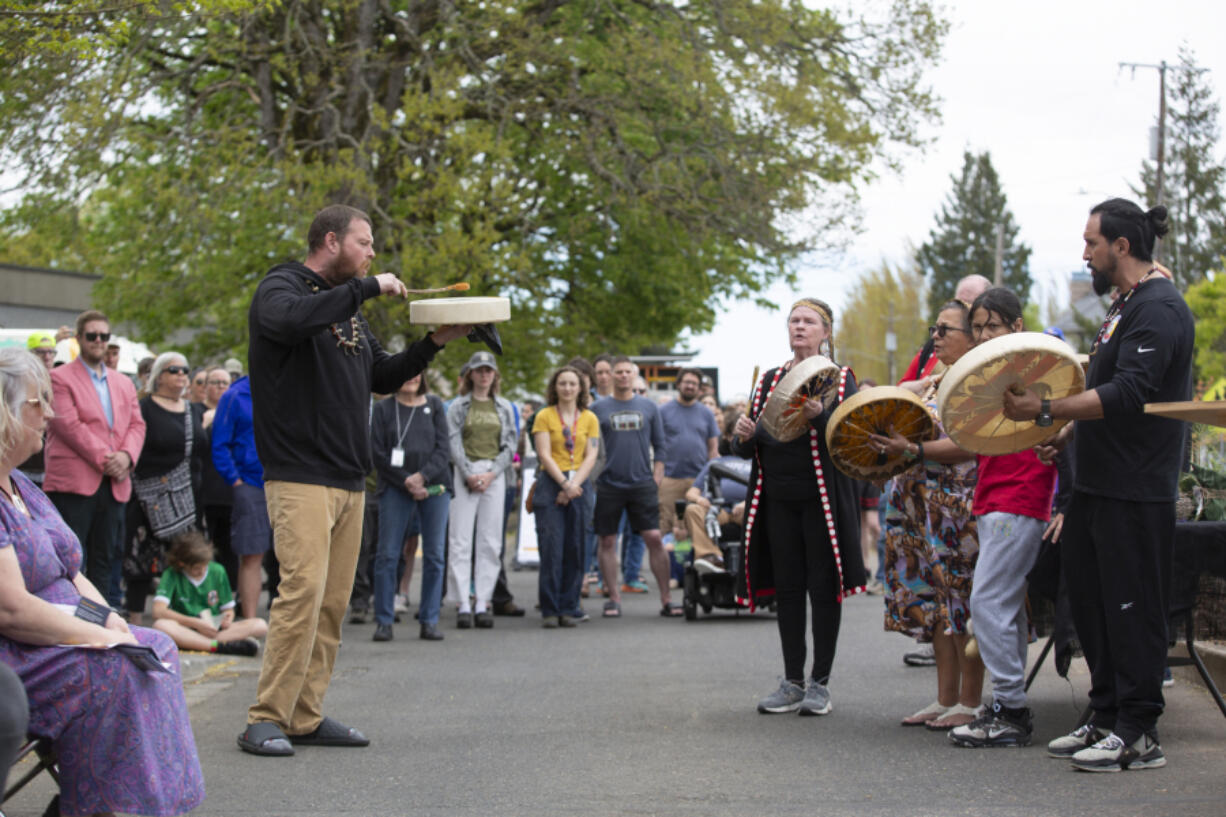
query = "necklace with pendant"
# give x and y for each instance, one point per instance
(15, 498)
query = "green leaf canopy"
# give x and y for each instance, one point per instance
(616, 168)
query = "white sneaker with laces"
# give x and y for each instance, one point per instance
(1111, 754)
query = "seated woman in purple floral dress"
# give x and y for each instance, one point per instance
(121, 734)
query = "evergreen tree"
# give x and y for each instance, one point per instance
(963, 242)
(1192, 175)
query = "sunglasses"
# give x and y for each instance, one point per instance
(640, 391)
(95, 336)
(568, 440)
(942, 329)
(177, 369)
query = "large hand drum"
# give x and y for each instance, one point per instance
(970, 401)
(481, 312)
(816, 377)
(876, 411)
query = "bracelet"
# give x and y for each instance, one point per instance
(919, 451)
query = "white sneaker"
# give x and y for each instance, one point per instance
(401, 604)
(1083, 737)
(1111, 755)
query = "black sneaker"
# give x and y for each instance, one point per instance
(429, 632)
(244, 646)
(383, 632)
(998, 726)
(464, 621)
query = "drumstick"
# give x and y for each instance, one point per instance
(460, 287)
(752, 386)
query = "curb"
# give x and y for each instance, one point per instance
(1214, 656)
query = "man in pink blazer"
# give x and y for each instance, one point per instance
(92, 444)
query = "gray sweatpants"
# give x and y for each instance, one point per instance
(1008, 546)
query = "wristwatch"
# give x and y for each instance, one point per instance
(1044, 418)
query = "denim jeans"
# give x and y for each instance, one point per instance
(633, 547)
(559, 540)
(396, 512)
(590, 540)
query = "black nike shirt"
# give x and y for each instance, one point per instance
(1146, 357)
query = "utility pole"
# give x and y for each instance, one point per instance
(1159, 193)
(998, 275)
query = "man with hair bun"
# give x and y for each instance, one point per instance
(1120, 526)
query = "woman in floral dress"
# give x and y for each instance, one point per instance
(931, 546)
(121, 733)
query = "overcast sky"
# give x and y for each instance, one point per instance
(1037, 84)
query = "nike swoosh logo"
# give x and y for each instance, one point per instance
(1142, 350)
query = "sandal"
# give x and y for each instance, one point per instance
(931, 712)
(957, 715)
(611, 609)
(331, 733)
(265, 738)
(670, 610)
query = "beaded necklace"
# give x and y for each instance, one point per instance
(1113, 314)
(351, 345)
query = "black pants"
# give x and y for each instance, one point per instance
(803, 564)
(1117, 558)
(217, 523)
(97, 521)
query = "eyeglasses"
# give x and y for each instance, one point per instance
(177, 369)
(218, 383)
(941, 329)
(94, 336)
(640, 391)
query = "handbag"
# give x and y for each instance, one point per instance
(167, 500)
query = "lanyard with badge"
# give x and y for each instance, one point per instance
(397, 458)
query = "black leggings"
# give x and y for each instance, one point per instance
(803, 563)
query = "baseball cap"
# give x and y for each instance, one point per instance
(40, 340)
(480, 359)
(1055, 331)
(233, 366)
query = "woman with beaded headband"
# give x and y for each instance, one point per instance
(802, 528)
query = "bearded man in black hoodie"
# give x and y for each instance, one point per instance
(313, 364)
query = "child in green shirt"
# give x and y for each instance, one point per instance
(195, 606)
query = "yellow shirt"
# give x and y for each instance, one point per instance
(586, 427)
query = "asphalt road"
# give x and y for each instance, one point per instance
(647, 716)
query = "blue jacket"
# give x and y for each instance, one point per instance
(234, 454)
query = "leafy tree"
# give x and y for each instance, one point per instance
(963, 242)
(615, 167)
(882, 300)
(1193, 175)
(1207, 300)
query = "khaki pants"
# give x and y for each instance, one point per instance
(696, 521)
(671, 489)
(317, 533)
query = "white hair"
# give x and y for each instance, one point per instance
(18, 369)
(163, 360)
